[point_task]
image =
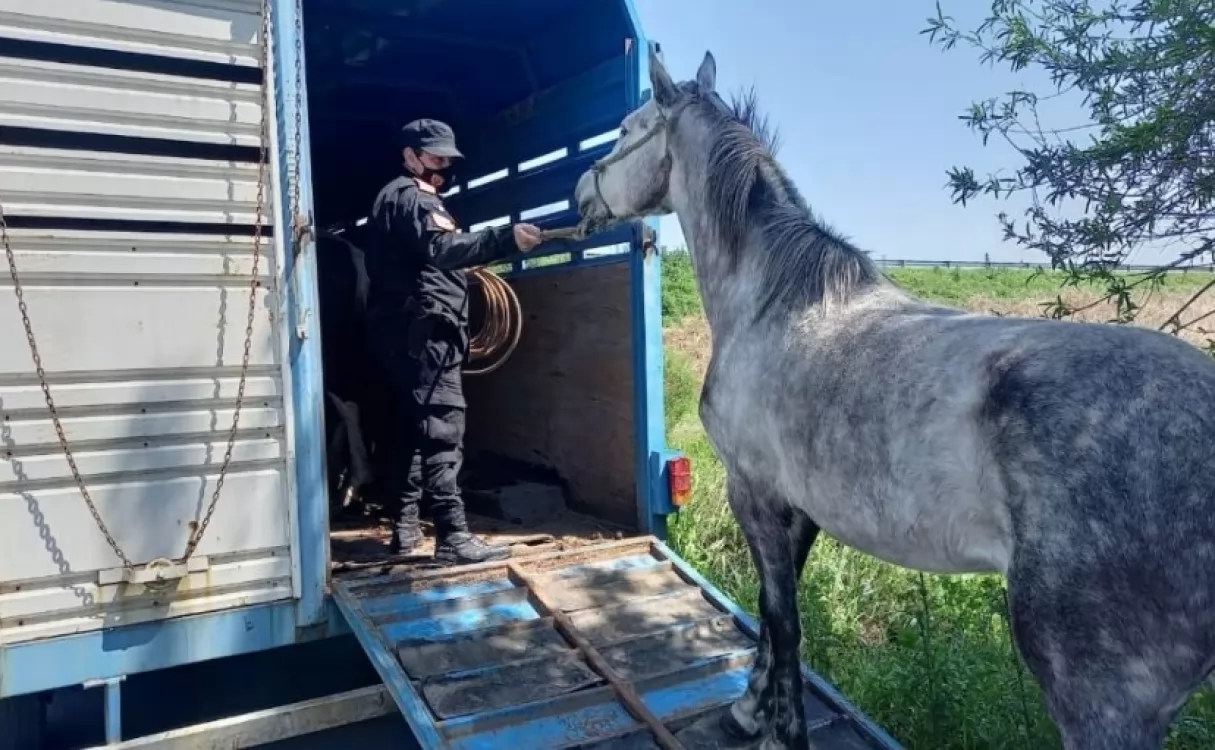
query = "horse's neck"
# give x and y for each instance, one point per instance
(731, 281)
(729, 290)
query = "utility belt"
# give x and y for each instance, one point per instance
(418, 306)
(397, 313)
(422, 347)
(430, 321)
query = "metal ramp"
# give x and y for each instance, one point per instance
(617, 646)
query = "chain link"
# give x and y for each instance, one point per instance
(262, 162)
(300, 221)
(46, 391)
(197, 534)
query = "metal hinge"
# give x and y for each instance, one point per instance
(648, 246)
(303, 230)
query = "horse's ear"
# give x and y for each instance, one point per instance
(706, 76)
(664, 88)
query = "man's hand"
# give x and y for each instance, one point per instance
(527, 236)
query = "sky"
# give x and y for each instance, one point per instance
(867, 110)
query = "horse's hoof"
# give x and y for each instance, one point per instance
(735, 729)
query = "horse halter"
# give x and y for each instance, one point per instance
(665, 122)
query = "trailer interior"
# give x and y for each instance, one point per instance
(551, 448)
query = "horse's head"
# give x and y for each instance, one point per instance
(634, 180)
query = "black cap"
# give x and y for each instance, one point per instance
(431, 136)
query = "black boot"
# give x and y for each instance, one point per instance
(462, 548)
(405, 539)
(408, 532)
(454, 544)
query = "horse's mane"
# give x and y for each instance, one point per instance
(804, 262)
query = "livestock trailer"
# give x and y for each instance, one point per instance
(164, 168)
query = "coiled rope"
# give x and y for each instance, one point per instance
(502, 323)
(502, 326)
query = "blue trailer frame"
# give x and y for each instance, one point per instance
(395, 614)
(115, 652)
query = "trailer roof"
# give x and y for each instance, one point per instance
(517, 80)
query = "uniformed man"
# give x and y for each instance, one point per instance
(418, 325)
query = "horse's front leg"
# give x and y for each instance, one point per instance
(748, 716)
(802, 533)
(746, 720)
(779, 541)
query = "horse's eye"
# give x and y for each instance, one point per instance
(623, 131)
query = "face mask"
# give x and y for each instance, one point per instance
(436, 177)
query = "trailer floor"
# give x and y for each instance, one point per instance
(360, 544)
(507, 502)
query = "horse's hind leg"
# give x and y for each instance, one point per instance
(779, 541)
(1109, 681)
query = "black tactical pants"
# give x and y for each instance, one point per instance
(424, 464)
(423, 433)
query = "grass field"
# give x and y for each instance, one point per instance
(927, 656)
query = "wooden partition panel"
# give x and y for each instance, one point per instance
(564, 400)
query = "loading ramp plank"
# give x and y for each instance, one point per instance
(616, 646)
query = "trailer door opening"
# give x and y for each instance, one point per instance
(535, 92)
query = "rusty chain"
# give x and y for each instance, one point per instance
(197, 534)
(263, 160)
(301, 223)
(46, 391)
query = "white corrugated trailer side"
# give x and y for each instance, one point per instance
(129, 135)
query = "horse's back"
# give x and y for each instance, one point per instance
(1102, 435)
(1116, 419)
(1110, 415)
(1069, 431)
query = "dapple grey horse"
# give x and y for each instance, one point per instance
(1073, 458)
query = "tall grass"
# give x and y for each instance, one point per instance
(928, 657)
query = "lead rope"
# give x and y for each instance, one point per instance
(196, 535)
(502, 328)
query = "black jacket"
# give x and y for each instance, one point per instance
(415, 256)
(417, 305)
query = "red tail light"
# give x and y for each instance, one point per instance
(679, 470)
